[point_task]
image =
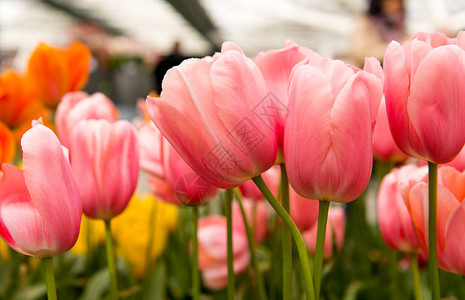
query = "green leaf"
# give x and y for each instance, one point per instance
(98, 284)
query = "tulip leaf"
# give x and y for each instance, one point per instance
(98, 284)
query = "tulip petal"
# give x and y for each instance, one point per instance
(28, 229)
(397, 89)
(120, 165)
(417, 203)
(455, 241)
(310, 98)
(436, 107)
(453, 180)
(12, 189)
(240, 97)
(190, 142)
(56, 197)
(351, 137)
(78, 58)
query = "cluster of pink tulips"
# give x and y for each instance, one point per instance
(289, 126)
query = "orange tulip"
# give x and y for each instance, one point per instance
(19, 103)
(55, 71)
(7, 144)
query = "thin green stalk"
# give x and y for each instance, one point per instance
(258, 277)
(393, 266)
(231, 284)
(416, 277)
(301, 248)
(320, 245)
(49, 278)
(111, 261)
(433, 255)
(195, 255)
(286, 237)
(151, 237)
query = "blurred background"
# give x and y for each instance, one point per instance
(133, 43)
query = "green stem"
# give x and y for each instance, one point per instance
(258, 277)
(301, 248)
(111, 261)
(231, 285)
(286, 237)
(320, 245)
(195, 255)
(49, 278)
(433, 255)
(416, 277)
(393, 266)
(151, 237)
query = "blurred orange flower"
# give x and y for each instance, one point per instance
(19, 103)
(7, 144)
(56, 71)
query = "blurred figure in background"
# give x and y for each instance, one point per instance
(166, 63)
(383, 22)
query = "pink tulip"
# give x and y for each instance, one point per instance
(450, 216)
(458, 162)
(214, 113)
(257, 214)
(105, 162)
(151, 150)
(40, 207)
(213, 252)
(384, 147)
(77, 106)
(328, 146)
(171, 178)
(276, 66)
(335, 229)
(271, 177)
(304, 212)
(395, 223)
(424, 95)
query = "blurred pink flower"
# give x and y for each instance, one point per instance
(335, 231)
(259, 220)
(395, 223)
(450, 216)
(77, 106)
(213, 251)
(271, 177)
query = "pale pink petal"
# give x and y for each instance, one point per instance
(190, 142)
(373, 66)
(54, 192)
(240, 97)
(29, 231)
(455, 241)
(120, 167)
(436, 105)
(310, 98)
(396, 87)
(349, 171)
